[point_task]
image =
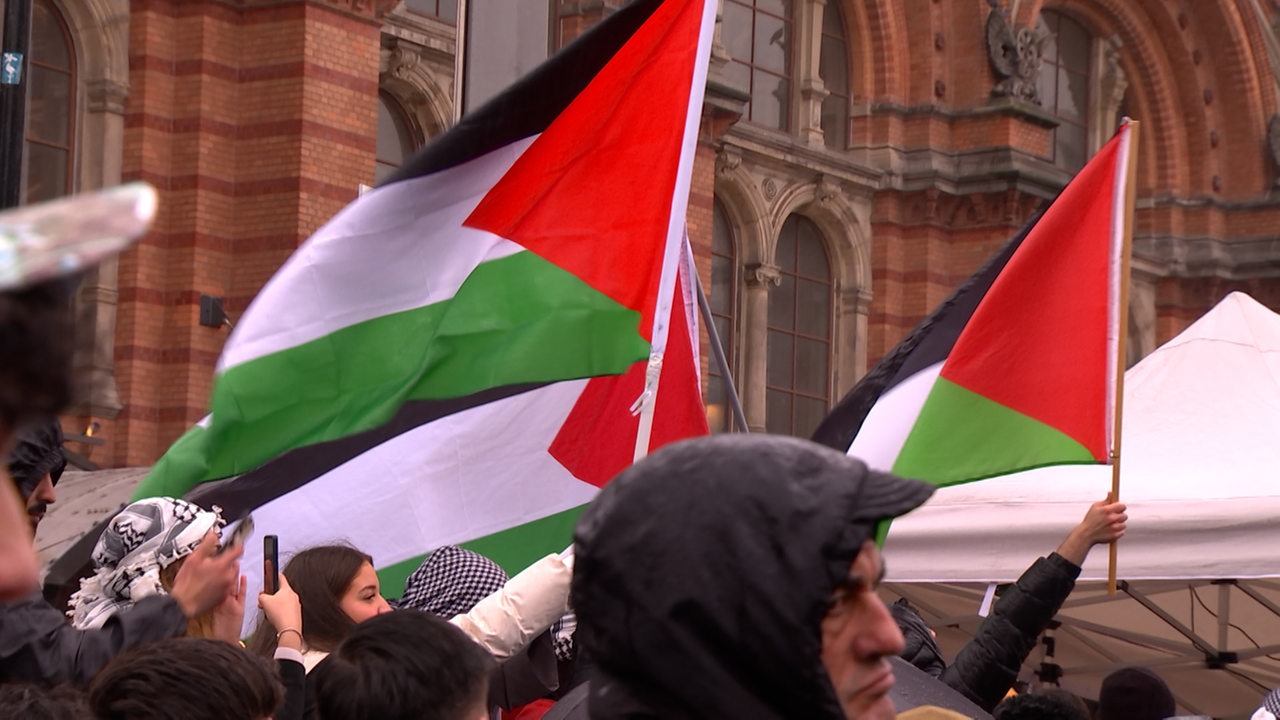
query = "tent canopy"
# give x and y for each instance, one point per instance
(1200, 472)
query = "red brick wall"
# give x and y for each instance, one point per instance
(257, 124)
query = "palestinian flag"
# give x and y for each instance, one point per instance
(453, 358)
(1016, 369)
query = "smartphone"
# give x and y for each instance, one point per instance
(238, 536)
(270, 564)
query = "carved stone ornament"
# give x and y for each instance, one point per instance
(826, 189)
(770, 188)
(400, 61)
(1015, 58)
(1273, 144)
(763, 274)
(727, 161)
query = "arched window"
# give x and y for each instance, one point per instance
(798, 374)
(395, 140)
(833, 68)
(724, 304)
(48, 158)
(758, 35)
(446, 10)
(1064, 87)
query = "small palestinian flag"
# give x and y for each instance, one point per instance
(1017, 369)
(453, 358)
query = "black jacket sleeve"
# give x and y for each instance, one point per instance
(294, 678)
(38, 645)
(988, 665)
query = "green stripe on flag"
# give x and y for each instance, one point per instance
(514, 549)
(962, 436)
(518, 319)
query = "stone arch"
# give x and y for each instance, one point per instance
(847, 240)
(1164, 85)
(879, 43)
(748, 212)
(427, 102)
(100, 40)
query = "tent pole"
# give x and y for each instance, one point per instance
(1126, 249)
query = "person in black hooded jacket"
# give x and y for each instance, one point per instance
(734, 577)
(987, 666)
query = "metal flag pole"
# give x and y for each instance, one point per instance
(717, 351)
(13, 99)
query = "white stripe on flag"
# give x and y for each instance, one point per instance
(890, 420)
(410, 232)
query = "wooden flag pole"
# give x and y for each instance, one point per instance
(1126, 250)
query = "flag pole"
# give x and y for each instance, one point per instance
(1126, 251)
(717, 350)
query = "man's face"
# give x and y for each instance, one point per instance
(40, 500)
(859, 636)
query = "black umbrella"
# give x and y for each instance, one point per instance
(913, 687)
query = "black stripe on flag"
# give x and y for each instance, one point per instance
(528, 107)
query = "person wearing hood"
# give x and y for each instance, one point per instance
(734, 577)
(36, 464)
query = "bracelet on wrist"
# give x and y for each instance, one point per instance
(288, 630)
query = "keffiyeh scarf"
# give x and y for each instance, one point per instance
(142, 540)
(1270, 709)
(450, 581)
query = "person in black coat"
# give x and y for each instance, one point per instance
(987, 666)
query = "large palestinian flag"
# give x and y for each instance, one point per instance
(453, 358)
(1017, 369)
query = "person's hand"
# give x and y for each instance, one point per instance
(284, 610)
(206, 578)
(1105, 522)
(228, 617)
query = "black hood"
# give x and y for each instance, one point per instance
(703, 573)
(38, 451)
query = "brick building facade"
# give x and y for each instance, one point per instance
(859, 158)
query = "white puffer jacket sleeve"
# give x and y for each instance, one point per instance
(509, 619)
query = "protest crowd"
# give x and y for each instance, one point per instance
(731, 576)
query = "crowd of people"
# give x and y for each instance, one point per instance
(733, 576)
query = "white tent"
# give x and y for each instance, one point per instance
(1200, 564)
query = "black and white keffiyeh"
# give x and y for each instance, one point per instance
(139, 542)
(1270, 708)
(450, 581)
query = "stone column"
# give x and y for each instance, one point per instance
(808, 37)
(755, 329)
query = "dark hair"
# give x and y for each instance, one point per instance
(188, 678)
(320, 576)
(1134, 693)
(1047, 704)
(36, 342)
(23, 701)
(403, 664)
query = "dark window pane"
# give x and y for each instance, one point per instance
(782, 304)
(1071, 148)
(777, 412)
(449, 10)
(772, 44)
(1073, 44)
(721, 234)
(811, 253)
(735, 31)
(833, 67)
(835, 122)
(780, 356)
(1047, 28)
(785, 254)
(48, 40)
(812, 357)
(769, 100)
(394, 142)
(726, 340)
(808, 414)
(49, 112)
(1073, 95)
(717, 406)
(738, 75)
(777, 7)
(721, 284)
(813, 311)
(832, 20)
(46, 172)
(444, 9)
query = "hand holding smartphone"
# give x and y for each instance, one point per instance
(270, 564)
